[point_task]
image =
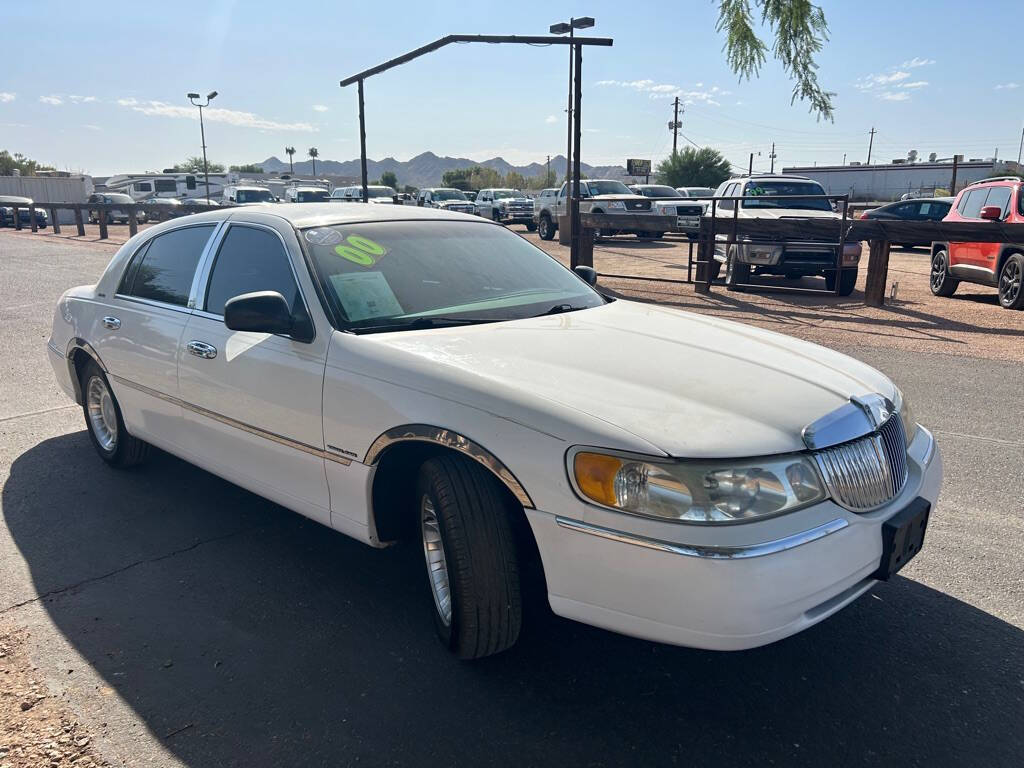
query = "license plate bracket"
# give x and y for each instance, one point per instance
(903, 537)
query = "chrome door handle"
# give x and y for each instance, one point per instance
(111, 322)
(202, 349)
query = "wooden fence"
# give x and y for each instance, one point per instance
(82, 212)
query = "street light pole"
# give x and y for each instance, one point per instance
(202, 133)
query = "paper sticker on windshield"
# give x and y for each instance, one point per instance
(365, 294)
(324, 236)
(361, 250)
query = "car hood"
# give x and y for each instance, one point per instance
(616, 197)
(781, 213)
(684, 384)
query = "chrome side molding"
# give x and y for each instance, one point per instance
(742, 552)
(425, 433)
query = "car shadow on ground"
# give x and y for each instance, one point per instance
(243, 634)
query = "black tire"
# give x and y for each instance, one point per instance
(479, 555)
(939, 280)
(736, 273)
(1011, 282)
(531, 227)
(714, 269)
(546, 228)
(110, 219)
(124, 450)
(847, 281)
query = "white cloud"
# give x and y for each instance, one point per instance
(81, 99)
(915, 84)
(670, 91)
(319, 108)
(214, 115)
(6, 96)
(550, 119)
(868, 82)
(1000, 87)
(91, 127)
(894, 95)
(917, 62)
(53, 100)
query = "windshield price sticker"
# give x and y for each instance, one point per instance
(360, 250)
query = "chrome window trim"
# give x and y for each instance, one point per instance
(227, 420)
(205, 272)
(425, 433)
(739, 552)
(153, 303)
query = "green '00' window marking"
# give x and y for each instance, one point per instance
(360, 250)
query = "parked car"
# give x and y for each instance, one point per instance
(423, 374)
(596, 196)
(471, 194)
(793, 259)
(921, 209)
(247, 194)
(161, 208)
(508, 206)
(198, 204)
(668, 202)
(445, 198)
(113, 215)
(695, 191)
(1000, 265)
(306, 195)
(354, 194)
(7, 203)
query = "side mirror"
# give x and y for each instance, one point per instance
(991, 213)
(265, 312)
(588, 274)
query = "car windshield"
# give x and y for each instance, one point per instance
(764, 191)
(505, 194)
(253, 196)
(698, 191)
(401, 274)
(311, 195)
(658, 192)
(607, 188)
(121, 198)
(379, 192)
(448, 194)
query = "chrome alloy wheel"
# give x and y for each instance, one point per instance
(102, 413)
(938, 270)
(437, 565)
(1010, 282)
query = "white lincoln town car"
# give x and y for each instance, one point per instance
(410, 373)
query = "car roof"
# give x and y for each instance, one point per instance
(302, 215)
(14, 199)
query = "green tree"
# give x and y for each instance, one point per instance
(515, 180)
(800, 31)
(25, 166)
(247, 168)
(290, 151)
(409, 189)
(704, 167)
(457, 177)
(194, 164)
(389, 179)
(313, 153)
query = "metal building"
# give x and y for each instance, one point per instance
(50, 189)
(893, 180)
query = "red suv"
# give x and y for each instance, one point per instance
(1000, 265)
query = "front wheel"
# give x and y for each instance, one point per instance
(847, 281)
(471, 559)
(546, 228)
(1011, 276)
(105, 423)
(940, 281)
(531, 227)
(736, 272)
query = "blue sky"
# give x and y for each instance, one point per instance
(105, 92)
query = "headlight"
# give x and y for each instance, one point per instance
(713, 491)
(617, 205)
(907, 417)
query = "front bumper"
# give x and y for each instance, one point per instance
(791, 573)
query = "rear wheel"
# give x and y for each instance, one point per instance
(105, 424)
(940, 281)
(471, 559)
(847, 281)
(546, 228)
(1011, 277)
(736, 272)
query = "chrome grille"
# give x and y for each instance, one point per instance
(868, 472)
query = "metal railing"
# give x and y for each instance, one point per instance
(83, 211)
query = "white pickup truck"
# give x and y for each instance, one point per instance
(596, 196)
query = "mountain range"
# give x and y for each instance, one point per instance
(426, 169)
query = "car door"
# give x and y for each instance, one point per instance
(253, 401)
(482, 205)
(966, 255)
(988, 253)
(139, 330)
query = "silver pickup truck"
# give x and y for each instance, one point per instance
(596, 196)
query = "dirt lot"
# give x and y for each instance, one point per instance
(971, 322)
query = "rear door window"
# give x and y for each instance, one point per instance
(166, 267)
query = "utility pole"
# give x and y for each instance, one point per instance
(952, 183)
(568, 110)
(844, 158)
(547, 172)
(750, 165)
(871, 144)
(1020, 150)
(675, 127)
(773, 156)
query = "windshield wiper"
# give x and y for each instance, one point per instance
(559, 309)
(418, 323)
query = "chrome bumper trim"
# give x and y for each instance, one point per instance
(743, 552)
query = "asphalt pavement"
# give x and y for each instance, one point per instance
(205, 626)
